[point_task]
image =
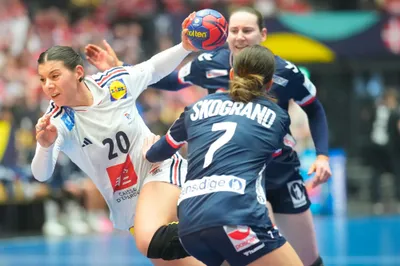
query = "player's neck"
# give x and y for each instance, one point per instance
(84, 97)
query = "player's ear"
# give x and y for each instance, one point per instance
(80, 72)
(231, 74)
(263, 34)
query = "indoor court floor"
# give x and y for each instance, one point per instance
(343, 242)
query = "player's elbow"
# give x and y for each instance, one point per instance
(38, 175)
(40, 178)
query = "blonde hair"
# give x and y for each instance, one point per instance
(253, 68)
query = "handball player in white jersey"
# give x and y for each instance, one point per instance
(94, 121)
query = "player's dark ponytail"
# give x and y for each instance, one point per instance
(253, 69)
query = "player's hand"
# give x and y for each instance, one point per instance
(321, 169)
(148, 142)
(102, 59)
(186, 43)
(46, 133)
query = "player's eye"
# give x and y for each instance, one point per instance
(233, 30)
(55, 76)
(42, 80)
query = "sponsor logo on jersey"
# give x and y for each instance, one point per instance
(212, 184)
(279, 80)
(215, 73)
(289, 141)
(241, 237)
(122, 175)
(117, 90)
(86, 142)
(126, 194)
(254, 250)
(297, 193)
(155, 170)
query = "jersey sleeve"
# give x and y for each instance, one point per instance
(154, 69)
(204, 71)
(177, 135)
(303, 90)
(45, 159)
(139, 78)
(171, 83)
(284, 138)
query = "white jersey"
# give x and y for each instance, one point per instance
(105, 140)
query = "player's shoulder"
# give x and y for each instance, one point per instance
(103, 78)
(270, 104)
(285, 71)
(62, 117)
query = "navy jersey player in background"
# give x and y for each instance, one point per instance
(211, 71)
(231, 138)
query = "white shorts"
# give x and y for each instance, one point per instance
(172, 170)
(123, 207)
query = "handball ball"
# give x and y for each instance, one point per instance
(208, 29)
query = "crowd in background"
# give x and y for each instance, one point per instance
(136, 29)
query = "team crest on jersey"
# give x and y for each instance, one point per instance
(128, 117)
(117, 90)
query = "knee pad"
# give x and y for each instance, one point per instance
(165, 244)
(318, 262)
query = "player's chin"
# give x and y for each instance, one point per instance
(239, 49)
(59, 101)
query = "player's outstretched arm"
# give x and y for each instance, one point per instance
(47, 149)
(102, 59)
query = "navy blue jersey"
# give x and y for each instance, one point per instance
(211, 71)
(229, 145)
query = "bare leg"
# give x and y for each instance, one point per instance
(299, 231)
(157, 207)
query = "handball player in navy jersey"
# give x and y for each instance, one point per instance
(231, 139)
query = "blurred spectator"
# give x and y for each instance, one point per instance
(382, 156)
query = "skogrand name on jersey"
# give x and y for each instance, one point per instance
(208, 108)
(211, 184)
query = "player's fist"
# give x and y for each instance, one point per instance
(185, 39)
(46, 133)
(102, 59)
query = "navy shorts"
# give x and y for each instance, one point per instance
(290, 197)
(239, 245)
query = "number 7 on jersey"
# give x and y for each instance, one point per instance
(229, 128)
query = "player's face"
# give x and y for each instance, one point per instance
(58, 82)
(244, 31)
